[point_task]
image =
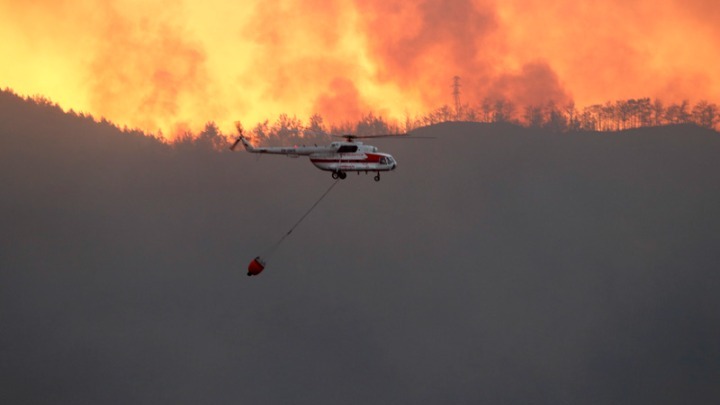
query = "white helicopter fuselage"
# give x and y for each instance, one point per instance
(353, 157)
(338, 157)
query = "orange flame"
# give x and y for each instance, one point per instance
(169, 66)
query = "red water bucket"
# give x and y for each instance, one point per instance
(256, 267)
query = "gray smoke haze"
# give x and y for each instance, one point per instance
(496, 265)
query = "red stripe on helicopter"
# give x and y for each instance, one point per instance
(371, 158)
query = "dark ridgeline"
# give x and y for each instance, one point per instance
(496, 265)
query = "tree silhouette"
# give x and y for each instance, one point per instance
(287, 127)
(262, 132)
(706, 114)
(372, 125)
(556, 120)
(503, 110)
(611, 116)
(534, 116)
(571, 114)
(658, 112)
(487, 109)
(678, 113)
(316, 128)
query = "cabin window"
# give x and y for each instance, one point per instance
(347, 149)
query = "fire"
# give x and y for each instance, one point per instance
(172, 66)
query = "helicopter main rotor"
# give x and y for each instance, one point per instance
(352, 137)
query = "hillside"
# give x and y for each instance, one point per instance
(496, 265)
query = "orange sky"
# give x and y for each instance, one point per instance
(159, 64)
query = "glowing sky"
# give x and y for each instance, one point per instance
(171, 65)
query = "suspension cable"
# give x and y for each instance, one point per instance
(277, 244)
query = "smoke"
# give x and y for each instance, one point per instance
(429, 41)
(158, 65)
(342, 101)
(613, 50)
(137, 66)
(147, 70)
(535, 84)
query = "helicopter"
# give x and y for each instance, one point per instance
(338, 157)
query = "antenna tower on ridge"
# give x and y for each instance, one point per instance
(456, 95)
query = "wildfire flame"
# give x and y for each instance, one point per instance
(173, 66)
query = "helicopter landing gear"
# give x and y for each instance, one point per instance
(377, 177)
(339, 175)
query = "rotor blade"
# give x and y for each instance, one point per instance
(410, 137)
(239, 128)
(396, 136)
(367, 136)
(237, 141)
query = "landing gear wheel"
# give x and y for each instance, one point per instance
(335, 175)
(342, 175)
(377, 177)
